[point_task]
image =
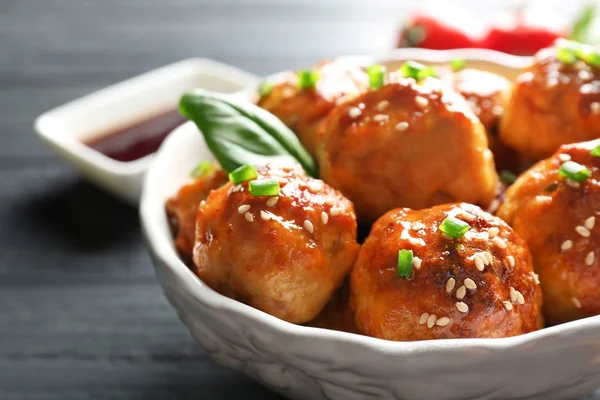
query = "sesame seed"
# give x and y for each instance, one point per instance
(423, 318)
(354, 112)
(431, 320)
(416, 241)
(335, 211)
(552, 82)
(417, 262)
(498, 241)
(564, 157)
(513, 294)
(402, 126)
(314, 186)
(572, 183)
(507, 305)
(382, 105)
(479, 263)
(461, 292)
(309, 226)
(421, 101)
(589, 258)
(576, 302)
(442, 321)
(272, 201)
(535, 277)
(381, 118)
(590, 222)
(467, 216)
(249, 217)
(488, 257)
(470, 284)
(324, 217)
(497, 110)
(511, 261)
(418, 226)
(244, 208)
(584, 75)
(595, 107)
(462, 307)
(520, 298)
(565, 79)
(450, 284)
(582, 230)
(265, 215)
(202, 203)
(566, 245)
(493, 231)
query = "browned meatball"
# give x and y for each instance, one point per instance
(487, 94)
(481, 285)
(557, 219)
(552, 104)
(284, 255)
(303, 109)
(407, 144)
(182, 208)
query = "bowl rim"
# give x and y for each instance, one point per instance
(161, 246)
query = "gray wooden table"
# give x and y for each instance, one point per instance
(81, 316)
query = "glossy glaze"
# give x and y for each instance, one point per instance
(551, 105)
(406, 144)
(285, 257)
(395, 308)
(545, 211)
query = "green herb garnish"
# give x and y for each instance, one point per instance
(264, 187)
(265, 88)
(202, 169)
(243, 174)
(574, 171)
(454, 227)
(595, 151)
(405, 264)
(417, 71)
(308, 78)
(457, 64)
(376, 76)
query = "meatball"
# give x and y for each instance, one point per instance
(481, 285)
(303, 109)
(285, 254)
(487, 94)
(407, 144)
(556, 216)
(182, 208)
(553, 103)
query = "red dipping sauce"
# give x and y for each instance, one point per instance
(138, 139)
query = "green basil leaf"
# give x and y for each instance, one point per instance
(238, 132)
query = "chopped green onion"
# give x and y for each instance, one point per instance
(376, 76)
(411, 69)
(589, 55)
(454, 227)
(565, 55)
(457, 64)
(243, 174)
(202, 169)
(507, 177)
(265, 88)
(264, 187)
(307, 78)
(424, 73)
(405, 264)
(595, 151)
(574, 171)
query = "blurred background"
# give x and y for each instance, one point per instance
(81, 315)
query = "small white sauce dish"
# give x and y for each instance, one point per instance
(301, 362)
(66, 128)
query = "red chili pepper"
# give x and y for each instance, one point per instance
(525, 32)
(441, 27)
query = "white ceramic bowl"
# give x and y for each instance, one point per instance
(310, 363)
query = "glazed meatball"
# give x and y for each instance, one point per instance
(553, 103)
(487, 94)
(182, 208)
(303, 109)
(285, 254)
(556, 216)
(407, 144)
(479, 286)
